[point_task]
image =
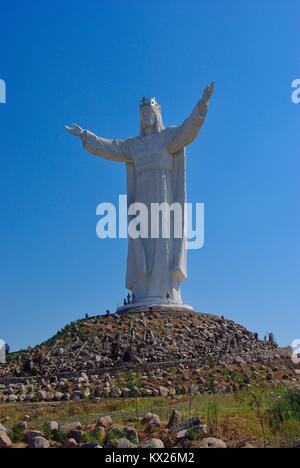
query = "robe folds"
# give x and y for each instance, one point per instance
(156, 173)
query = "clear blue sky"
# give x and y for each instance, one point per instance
(90, 63)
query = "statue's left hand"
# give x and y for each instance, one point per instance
(208, 92)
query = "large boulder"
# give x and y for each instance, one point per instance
(131, 434)
(21, 426)
(175, 419)
(151, 419)
(39, 443)
(125, 444)
(3, 429)
(89, 446)
(42, 395)
(211, 443)
(75, 426)
(32, 434)
(77, 435)
(5, 441)
(105, 422)
(70, 444)
(53, 426)
(297, 444)
(153, 444)
(164, 392)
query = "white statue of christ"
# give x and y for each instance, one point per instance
(156, 173)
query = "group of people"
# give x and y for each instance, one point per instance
(131, 299)
(271, 338)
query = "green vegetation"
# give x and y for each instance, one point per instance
(265, 415)
(114, 434)
(192, 433)
(58, 436)
(17, 434)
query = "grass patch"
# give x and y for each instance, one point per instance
(269, 415)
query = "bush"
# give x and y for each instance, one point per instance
(286, 407)
(58, 436)
(18, 434)
(114, 434)
(192, 433)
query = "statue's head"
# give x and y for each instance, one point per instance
(150, 117)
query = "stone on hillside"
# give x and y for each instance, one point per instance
(5, 442)
(146, 392)
(84, 377)
(198, 432)
(76, 396)
(75, 426)
(58, 396)
(149, 417)
(125, 444)
(77, 435)
(115, 393)
(126, 392)
(153, 444)
(191, 423)
(212, 443)
(98, 392)
(53, 426)
(86, 393)
(164, 392)
(131, 434)
(32, 434)
(175, 419)
(89, 446)
(42, 395)
(105, 422)
(3, 428)
(181, 435)
(297, 444)
(70, 444)
(21, 426)
(39, 443)
(13, 398)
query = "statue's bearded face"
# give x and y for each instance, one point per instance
(148, 117)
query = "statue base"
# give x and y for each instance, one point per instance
(153, 307)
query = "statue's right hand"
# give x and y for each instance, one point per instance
(75, 130)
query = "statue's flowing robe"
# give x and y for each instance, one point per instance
(156, 173)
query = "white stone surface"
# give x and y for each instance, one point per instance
(156, 173)
(147, 306)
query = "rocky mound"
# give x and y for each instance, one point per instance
(166, 349)
(141, 338)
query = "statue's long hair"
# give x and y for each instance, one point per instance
(159, 126)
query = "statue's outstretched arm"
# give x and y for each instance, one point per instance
(186, 133)
(112, 150)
